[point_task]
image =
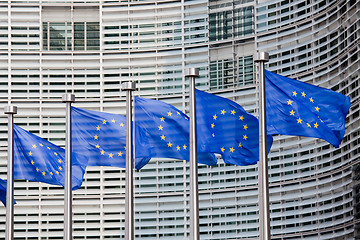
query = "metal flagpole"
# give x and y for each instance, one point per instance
(192, 73)
(129, 87)
(9, 234)
(264, 212)
(68, 99)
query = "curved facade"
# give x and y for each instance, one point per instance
(89, 48)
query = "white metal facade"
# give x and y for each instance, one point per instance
(313, 186)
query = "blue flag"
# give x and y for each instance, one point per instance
(224, 127)
(101, 138)
(3, 191)
(163, 131)
(301, 109)
(36, 159)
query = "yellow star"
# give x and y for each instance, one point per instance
(102, 152)
(246, 127)
(212, 125)
(311, 99)
(213, 135)
(215, 117)
(294, 93)
(97, 146)
(169, 144)
(223, 112)
(59, 161)
(32, 162)
(43, 173)
(317, 109)
(48, 148)
(113, 120)
(178, 113)
(186, 118)
(178, 148)
(160, 128)
(34, 146)
(111, 155)
(289, 102)
(60, 168)
(303, 94)
(120, 154)
(121, 124)
(30, 153)
(222, 149)
(292, 113)
(125, 147)
(240, 145)
(308, 125)
(184, 147)
(98, 128)
(37, 169)
(104, 122)
(162, 119)
(233, 112)
(169, 114)
(96, 137)
(41, 145)
(55, 153)
(232, 149)
(57, 172)
(316, 125)
(299, 120)
(51, 173)
(241, 118)
(162, 137)
(245, 137)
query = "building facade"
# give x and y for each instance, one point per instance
(89, 47)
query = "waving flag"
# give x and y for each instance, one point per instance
(101, 138)
(3, 191)
(163, 131)
(301, 109)
(36, 159)
(224, 127)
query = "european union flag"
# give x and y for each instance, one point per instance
(163, 131)
(224, 127)
(101, 138)
(301, 109)
(3, 191)
(36, 159)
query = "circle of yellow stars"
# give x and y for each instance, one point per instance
(38, 169)
(96, 139)
(170, 144)
(314, 107)
(241, 119)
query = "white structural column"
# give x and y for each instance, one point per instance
(264, 212)
(9, 232)
(129, 87)
(68, 99)
(193, 73)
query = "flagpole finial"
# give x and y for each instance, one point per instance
(68, 97)
(192, 72)
(128, 86)
(261, 57)
(10, 109)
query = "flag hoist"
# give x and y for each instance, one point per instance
(264, 213)
(68, 99)
(192, 73)
(129, 87)
(9, 232)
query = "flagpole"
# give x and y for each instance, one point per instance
(129, 87)
(9, 235)
(68, 99)
(264, 212)
(192, 73)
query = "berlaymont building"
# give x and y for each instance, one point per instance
(89, 48)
